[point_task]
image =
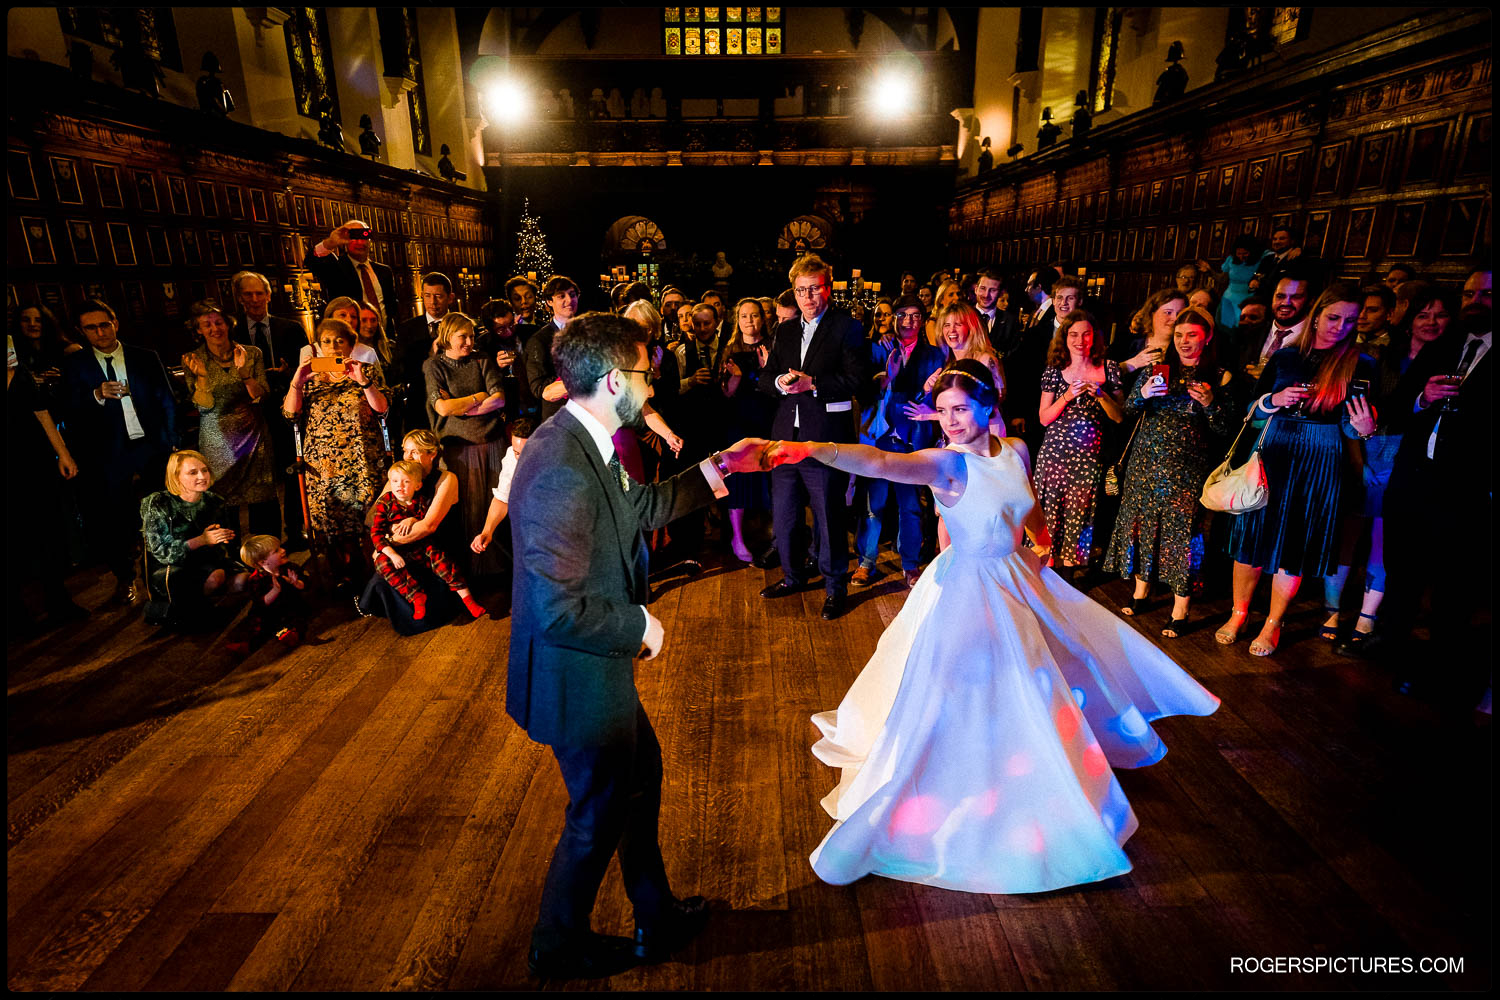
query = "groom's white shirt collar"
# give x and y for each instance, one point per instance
(602, 439)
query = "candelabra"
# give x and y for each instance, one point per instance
(471, 289)
(616, 275)
(856, 289)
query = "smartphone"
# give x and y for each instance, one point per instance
(321, 364)
(1163, 372)
(359, 234)
(1360, 388)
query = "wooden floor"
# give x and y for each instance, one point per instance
(359, 813)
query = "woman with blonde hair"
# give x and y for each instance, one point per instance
(188, 542)
(948, 293)
(1317, 424)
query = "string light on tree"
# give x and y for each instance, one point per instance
(531, 247)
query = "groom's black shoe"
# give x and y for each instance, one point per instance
(595, 956)
(833, 606)
(682, 921)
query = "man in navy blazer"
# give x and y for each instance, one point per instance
(578, 623)
(122, 425)
(817, 367)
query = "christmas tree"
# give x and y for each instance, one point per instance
(531, 247)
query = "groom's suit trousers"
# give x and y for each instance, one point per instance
(614, 800)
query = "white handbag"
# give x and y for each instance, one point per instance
(1241, 490)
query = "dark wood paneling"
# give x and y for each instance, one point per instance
(1375, 167)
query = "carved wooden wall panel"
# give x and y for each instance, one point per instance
(151, 224)
(1391, 168)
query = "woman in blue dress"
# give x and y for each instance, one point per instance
(1239, 267)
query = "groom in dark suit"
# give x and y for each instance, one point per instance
(578, 623)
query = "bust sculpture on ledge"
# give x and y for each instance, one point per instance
(1049, 133)
(330, 132)
(1083, 118)
(986, 156)
(369, 142)
(1173, 81)
(213, 97)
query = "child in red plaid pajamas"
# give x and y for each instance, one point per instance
(401, 501)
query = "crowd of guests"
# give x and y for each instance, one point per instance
(391, 443)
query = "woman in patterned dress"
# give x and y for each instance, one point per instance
(1080, 390)
(229, 383)
(1159, 533)
(342, 444)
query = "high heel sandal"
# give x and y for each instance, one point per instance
(1330, 633)
(1260, 648)
(1173, 628)
(1358, 638)
(1136, 606)
(1227, 636)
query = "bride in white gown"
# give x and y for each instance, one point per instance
(975, 748)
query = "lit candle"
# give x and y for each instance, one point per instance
(530, 275)
(875, 286)
(855, 272)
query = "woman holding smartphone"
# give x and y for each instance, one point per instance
(342, 448)
(1184, 407)
(1317, 425)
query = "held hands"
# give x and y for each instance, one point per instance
(787, 453)
(215, 535)
(1202, 393)
(1437, 389)
(1362, 416)
(745, 455)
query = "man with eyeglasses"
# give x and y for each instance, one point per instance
(816, 367)
(579, 622)
(122, 425)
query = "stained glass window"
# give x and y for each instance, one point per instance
(110, 25)
(416, 99)
(1106, 52)
(1284, 24)
(716, 31)
(309, 53)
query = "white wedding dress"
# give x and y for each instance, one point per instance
(976, 746)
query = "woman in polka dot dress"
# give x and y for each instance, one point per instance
(1080, 391)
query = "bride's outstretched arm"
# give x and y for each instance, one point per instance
(929, 467)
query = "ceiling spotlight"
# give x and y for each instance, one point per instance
(506, 101)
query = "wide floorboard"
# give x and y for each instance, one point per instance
(360, 813)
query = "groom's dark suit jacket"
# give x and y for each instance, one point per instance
(580, 578)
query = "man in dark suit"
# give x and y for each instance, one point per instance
(1025, 363)
(561, 293)
(992, 302)
(816, 368)
(280, 341)
(1286, 258)
(903, 367)
(414, 340)
(1441, 488)
(122, 425)
(342, 266)
(578, 622)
